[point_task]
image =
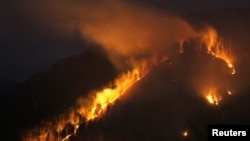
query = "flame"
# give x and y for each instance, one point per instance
(87, 109)
(95, 105)
(212, 97)
(120, 42)
(66, 138)
(218, 51)
(216, 48)
(108, 95)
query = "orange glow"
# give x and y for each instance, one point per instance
(108, 96)
(216, 48)
(89, 108)
(66, 138)
(220, 53)
(153, 35)
(95, 105)
(212, 97)
(185, 133)
(229, 92)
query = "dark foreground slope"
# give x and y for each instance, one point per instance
(49, 93)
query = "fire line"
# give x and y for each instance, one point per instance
(95, 105)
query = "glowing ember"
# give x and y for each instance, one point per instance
(185, 133)
(212, 98)
(230, 65)
(66, 138)
(233, 71)
(229, 92)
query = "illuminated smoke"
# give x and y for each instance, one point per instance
(134, 37)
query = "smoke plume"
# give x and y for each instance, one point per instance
(130, 33)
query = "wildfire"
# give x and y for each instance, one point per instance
(95, 105)
(212, 97)
(109, 96)
(219, 52)
(216, 48)
(87, 109)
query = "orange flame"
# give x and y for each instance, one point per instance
(89, 108)
(96, 104)
(212, 96)
(109, 96)
(217, 49)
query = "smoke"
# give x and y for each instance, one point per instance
(133, 36)
(135, 33)
(129, 33)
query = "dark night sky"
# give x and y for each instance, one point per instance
(28, 47)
